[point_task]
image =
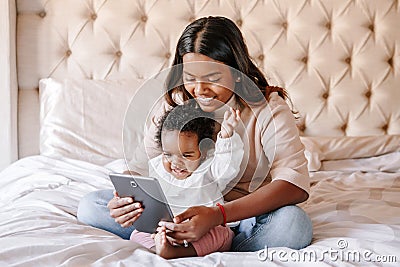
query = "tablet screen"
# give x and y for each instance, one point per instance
(148, 192)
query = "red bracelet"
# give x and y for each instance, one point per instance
(223, 213)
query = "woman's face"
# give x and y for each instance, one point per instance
(181, 153)
(209, 81)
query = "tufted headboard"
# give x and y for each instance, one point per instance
(339, 60)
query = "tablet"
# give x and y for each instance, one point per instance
(148, 192)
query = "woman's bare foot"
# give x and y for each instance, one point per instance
(163, 247)
(167, 250)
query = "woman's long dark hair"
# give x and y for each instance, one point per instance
(220, 39)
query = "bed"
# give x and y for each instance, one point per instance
(63, 62)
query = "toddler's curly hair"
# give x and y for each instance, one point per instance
(188, 117)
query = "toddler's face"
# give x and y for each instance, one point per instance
(181, 153)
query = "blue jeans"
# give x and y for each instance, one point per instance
(92, 210)
(288, 226)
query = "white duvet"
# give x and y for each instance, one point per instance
(354, 206)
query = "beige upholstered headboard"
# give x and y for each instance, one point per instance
(339, 60)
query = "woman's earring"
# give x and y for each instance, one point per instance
(238, 79)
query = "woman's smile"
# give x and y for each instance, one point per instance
(206, 101)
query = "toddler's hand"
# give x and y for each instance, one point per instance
(231, 120)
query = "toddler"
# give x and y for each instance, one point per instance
(189, 178)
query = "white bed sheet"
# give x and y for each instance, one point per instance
(354, 206)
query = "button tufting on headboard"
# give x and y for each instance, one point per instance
(371, 27)
(390, 62)
(337, 59)
(343, 127)
(328, 25)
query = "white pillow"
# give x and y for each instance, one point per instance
(313, 154)
(83, 119)
(326, 148)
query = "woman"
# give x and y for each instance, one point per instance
(213, 66)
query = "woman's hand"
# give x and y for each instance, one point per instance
(193, 223)
(124, 210)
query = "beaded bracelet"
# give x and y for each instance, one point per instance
(223, 213)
